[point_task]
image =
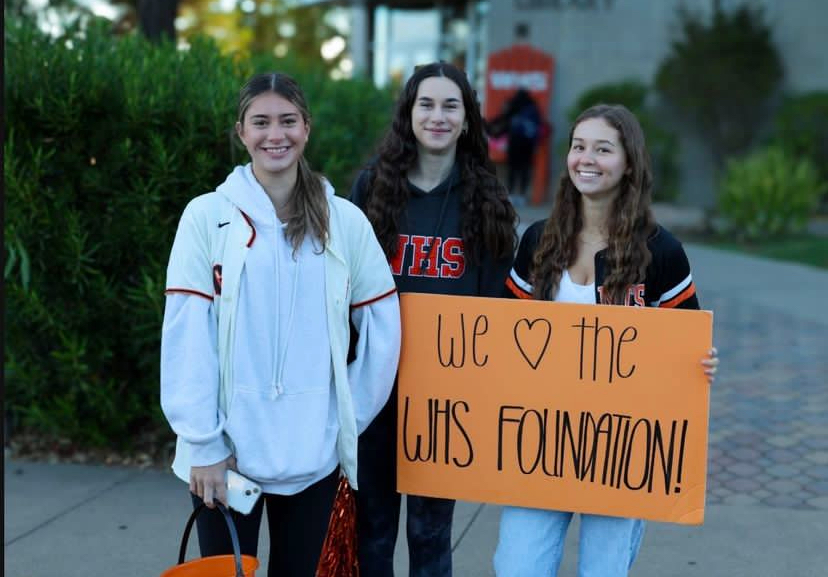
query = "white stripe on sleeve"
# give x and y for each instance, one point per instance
(520, 282)
(676, 289)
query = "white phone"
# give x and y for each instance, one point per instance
(242, 493)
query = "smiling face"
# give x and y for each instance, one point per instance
(274, 133)
(438, 116)
(596, 160)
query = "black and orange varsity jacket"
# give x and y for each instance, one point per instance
(667, 283)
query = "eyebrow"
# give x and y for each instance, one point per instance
(267, 116)
(599, 141)
(430, 99)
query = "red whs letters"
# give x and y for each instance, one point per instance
(433, 257)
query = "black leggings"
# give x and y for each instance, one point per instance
(297, 524)
(428, 519)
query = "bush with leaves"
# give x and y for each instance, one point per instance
(107, 140)
(722, 75)
(662, 144)
(801, 128)
(769, 193)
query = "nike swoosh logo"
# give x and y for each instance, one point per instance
(221, 224)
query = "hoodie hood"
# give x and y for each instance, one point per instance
(244, 191)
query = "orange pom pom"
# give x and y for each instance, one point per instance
(339, 552)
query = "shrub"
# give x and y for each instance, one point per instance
(662, 144)
(801, 128)
(631, 93)
(107, 140)
(721, 75)
(769, 193)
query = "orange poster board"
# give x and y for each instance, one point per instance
(587, 408)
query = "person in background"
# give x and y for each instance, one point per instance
(521, 125)
(446, 226)
(264, 276)
(600, 245)
(524, 127)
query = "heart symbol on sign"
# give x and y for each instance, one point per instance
(530, 333)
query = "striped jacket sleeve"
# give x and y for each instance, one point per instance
(675, 287)
(517, 283)
(189, 270)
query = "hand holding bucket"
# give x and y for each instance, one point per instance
(235, 565)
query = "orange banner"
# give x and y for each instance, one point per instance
(587, 408)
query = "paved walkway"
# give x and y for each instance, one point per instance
(767, 513)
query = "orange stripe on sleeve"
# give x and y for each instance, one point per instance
(252, 228)
(170, 291)
(516, 290)
(375, 299)
(679, 298)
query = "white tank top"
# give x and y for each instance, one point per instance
(569, 292)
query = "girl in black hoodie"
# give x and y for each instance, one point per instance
(447, 227)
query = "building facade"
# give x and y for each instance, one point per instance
(600, 41)
(593, 42)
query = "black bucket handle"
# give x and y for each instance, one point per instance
(234, 537)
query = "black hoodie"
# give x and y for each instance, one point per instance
(440, 267)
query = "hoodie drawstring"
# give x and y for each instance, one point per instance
(280, 360)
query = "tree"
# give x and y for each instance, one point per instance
(265, 28)
(157, 18)
(722, 76)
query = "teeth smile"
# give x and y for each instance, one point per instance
(277, 150)
(588, 173)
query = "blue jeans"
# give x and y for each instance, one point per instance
(531, 543)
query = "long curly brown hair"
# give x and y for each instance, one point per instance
(488, 218)
(629, 224)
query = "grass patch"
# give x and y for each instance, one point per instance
(804, 249)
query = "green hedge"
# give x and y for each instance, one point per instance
(769, 194)
(801, 127)
(662, 144)
(107, 140)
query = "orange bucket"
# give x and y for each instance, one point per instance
(235, 565)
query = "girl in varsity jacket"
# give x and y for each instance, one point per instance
(599, 246)
(446, 226)
(264, 276)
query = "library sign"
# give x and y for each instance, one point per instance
(586, 408)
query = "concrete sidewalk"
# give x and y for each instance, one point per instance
(767, 511)
(75, 520)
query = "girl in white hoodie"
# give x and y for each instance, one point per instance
(264, 276)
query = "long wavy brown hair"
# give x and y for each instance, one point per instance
(309, 205)
(488, 219)
(630, 221)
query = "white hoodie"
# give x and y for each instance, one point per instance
(271, 397)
